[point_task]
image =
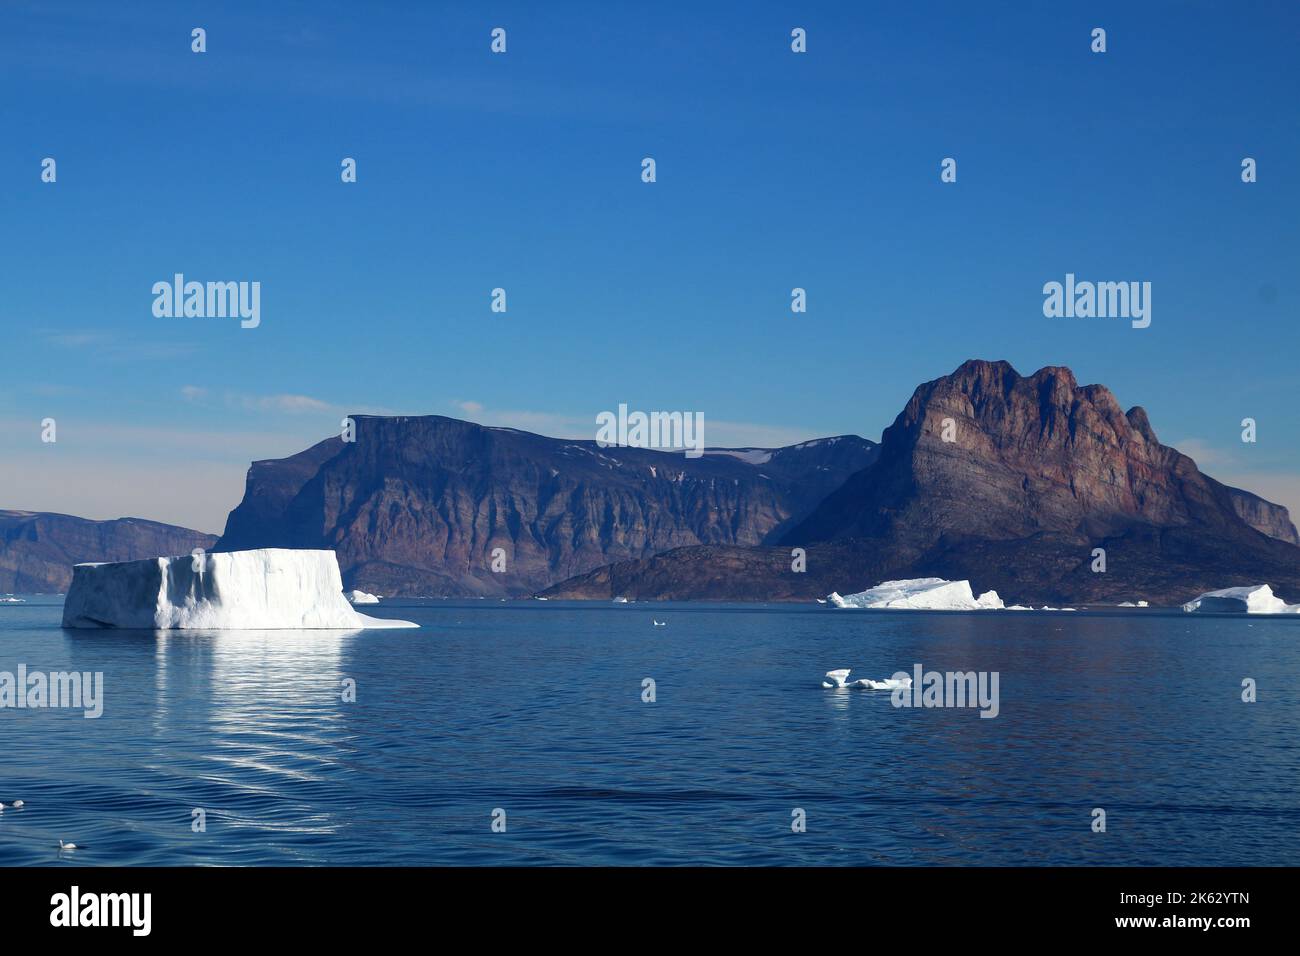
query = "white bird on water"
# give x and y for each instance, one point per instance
(67, 846)
(840, 678)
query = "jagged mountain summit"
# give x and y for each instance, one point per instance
(421, 505)
(38, 549)
(1011, 481)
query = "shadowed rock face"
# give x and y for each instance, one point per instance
(38, 549)
(1039, 472)
(1273, 520)
(417, 505)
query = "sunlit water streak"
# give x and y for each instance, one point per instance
(536, 708)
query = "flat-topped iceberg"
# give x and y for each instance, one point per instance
(266, 589)
(925, 594)
(1253, 599)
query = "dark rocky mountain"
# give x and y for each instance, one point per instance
(38, 549)
(416, 506)
(1037, 471)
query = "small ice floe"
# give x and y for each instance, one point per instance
(660, 623)
(821, 600)
(10, 599)
(361, 597)
(838, 679)
(620, 600)
(1253, 599)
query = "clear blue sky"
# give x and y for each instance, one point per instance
(522, 171)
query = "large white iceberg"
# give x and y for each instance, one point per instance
(1253, 599)
(266, 589)
(928, 594)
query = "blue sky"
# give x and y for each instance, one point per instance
(522, 171)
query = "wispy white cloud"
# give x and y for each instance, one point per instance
(1203, 453)
(279, 404)
(117, 348)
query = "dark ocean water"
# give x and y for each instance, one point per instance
(536, 708)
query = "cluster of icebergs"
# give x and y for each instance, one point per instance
(265, 589)
(938, 594)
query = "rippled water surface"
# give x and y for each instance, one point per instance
(536, 708)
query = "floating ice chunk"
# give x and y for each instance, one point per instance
(270, 588)
(1252, 599)
(361, 597)
(840, 679)
(930, 594)
(889, 683)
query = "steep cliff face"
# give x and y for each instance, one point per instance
(1010, 481)
(990, 453)
(419, 505)
(1273, 520)
(38, 549)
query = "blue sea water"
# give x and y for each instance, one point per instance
(536, 709)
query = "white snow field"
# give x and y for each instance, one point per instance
(361, 597)
(266, 589)
(926, 594)
(1253, 599)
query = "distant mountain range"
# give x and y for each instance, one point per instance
(417, 506)
(38, 549)
(1010, 481)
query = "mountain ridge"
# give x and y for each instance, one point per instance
(1011, 481)
(420, 504)
(39, 548)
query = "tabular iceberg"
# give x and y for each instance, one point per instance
(270, 588)
(1253, 599)
(928, 594)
